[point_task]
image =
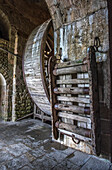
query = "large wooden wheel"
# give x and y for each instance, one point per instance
(38, 49)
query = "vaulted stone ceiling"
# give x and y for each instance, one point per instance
(34, 10)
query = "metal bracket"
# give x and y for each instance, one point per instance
(73, 138)
(97, 44)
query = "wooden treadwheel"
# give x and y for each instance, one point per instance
(39, 47)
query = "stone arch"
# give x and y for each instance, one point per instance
(5, 27)
(3, 98)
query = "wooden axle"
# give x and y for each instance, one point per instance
(74, 117)
(73, 128)
(72, 108)
(70, 70)
(71, 90)
(73, 99)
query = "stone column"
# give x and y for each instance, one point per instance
(14, 78)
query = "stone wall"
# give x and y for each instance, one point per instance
(76, 24)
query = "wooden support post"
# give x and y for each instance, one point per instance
(94, 97)
(42, 116)
(34, 111)
(53, 99)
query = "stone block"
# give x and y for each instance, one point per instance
(5, 156)
(66, 165)
(44, 163)
(18, 149)
(18, 163)
(57, 156)
(96, 164)
(79, 158)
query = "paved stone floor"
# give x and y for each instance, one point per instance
(27, 145)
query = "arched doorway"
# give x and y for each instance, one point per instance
(3, 98)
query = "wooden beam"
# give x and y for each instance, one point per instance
(68, 64)
(73, 128)
(72, 108)
(73, 99)
(74, 117)
(82, 138)
(70, 70)
(71, 90)
(26, 116)
(73, 81)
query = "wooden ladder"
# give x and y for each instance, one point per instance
(75, 101)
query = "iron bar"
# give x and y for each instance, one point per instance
(9, 52)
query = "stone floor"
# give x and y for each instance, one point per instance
(27, 145)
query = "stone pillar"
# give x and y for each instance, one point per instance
(14, 78)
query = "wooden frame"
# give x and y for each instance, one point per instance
(62, 110)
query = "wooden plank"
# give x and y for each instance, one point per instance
(73, 99)
(71, 90)
(73, 81)
(74, 117)
(82, 138)
(73, 128)
(72, 108)
(26, 116)
(68, 64)
(70, 70)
